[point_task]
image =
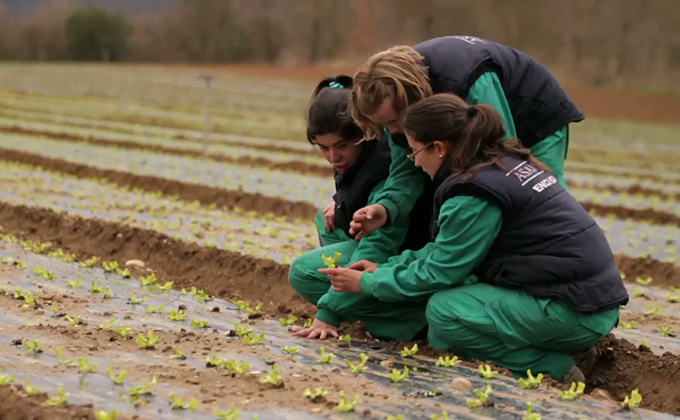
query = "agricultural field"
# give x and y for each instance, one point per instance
(144, 265)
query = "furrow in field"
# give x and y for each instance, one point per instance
(624, 213)
(634, 190)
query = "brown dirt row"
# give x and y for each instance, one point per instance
(204, 194)
(18, 406)
(632, 190)
(631, 174)
(293, 166)
(624, 213)
(665, 274)
(617, 367)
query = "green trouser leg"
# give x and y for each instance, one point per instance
(552, 151)
(396, 321)
(512, 328)
(326, 237)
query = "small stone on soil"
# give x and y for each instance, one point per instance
(134, 263)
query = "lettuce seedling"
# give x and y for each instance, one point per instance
(178, 403)
(574, 391)
(103, 415)
(483, 398)
(190, 292)
(110, 266)
(30, 389)
(665, 331)
(148, 280)
(273, 379)
(406, 352)
(633, 401)
(317, 395)
(530, 415)
(443, 416)
(238, 366)
(448, 361)
(325, 357)
(74, 284)
(89, 263)
(251, 341)
(242, 330)
(331, 262)
(56, 254)
(57, 401)
(290, 350)
(629, 325)
(69, 258)
(346, 405)
(134, 300)
(177, 315)
(155, 309)
(397, 376)
(289, 320)
(123, 272)
(200, 323)
(18, 294)
(118, 380)
(202, 296)
(231, 414)
(673, 298)
(32, 346)
(346, 338)
(399, 416)
(675, 289)
(74, 321)
(125, 332)
(178, 354)
(84, 365)
(64, 362)
(215, 361)
(107, 326)
(149, 342)
(308, 323)
(97, 287)
(29, 301)
(644, 281)
(6, 260)
(21, 265)
(359, 367)
(531, 381)
(486, 371)
(6, 379)
(164, 287)
(145, 389)
(653, 310)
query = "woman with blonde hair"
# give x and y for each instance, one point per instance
(533, 106)
(518, 272)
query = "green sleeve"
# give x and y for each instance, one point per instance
(376, 247)
(404, 184)
(487, 89)
(468, 228)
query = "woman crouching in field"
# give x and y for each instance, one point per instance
(518, 273)
(360, 172)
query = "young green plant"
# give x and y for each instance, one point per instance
(633, 401)
(273, 379)
(531, 381)
(483, 398)
(409, 352)
(575, 390)
(346, 405)
(359, 367)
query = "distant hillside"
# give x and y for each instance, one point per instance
(130, 7)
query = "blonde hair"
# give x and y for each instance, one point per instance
(400, 73)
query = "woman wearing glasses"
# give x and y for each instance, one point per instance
(518, 272)
(533, 106)
(360, 172)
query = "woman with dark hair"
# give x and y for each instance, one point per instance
(518, 273)
(360, 172)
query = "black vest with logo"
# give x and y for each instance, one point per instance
(548, 244)
(538, 104)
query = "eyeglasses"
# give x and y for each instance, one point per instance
(412, 156)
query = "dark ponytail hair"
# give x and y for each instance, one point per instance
(328, 110)
(474, 132)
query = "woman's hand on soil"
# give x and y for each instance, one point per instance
(329, 216)
(364, 265)
(319, 329)
(367, 220)
(344, 279)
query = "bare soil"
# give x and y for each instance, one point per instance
(632, 190)
(16, 405)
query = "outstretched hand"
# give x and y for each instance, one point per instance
(367, 220)
(319, 329)
(344, 279)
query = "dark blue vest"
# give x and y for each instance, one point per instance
(548, 244)
(538, 104)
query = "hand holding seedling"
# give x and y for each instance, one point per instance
(367, 220)
(364, 265)
(344, 279)
(319, 329)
